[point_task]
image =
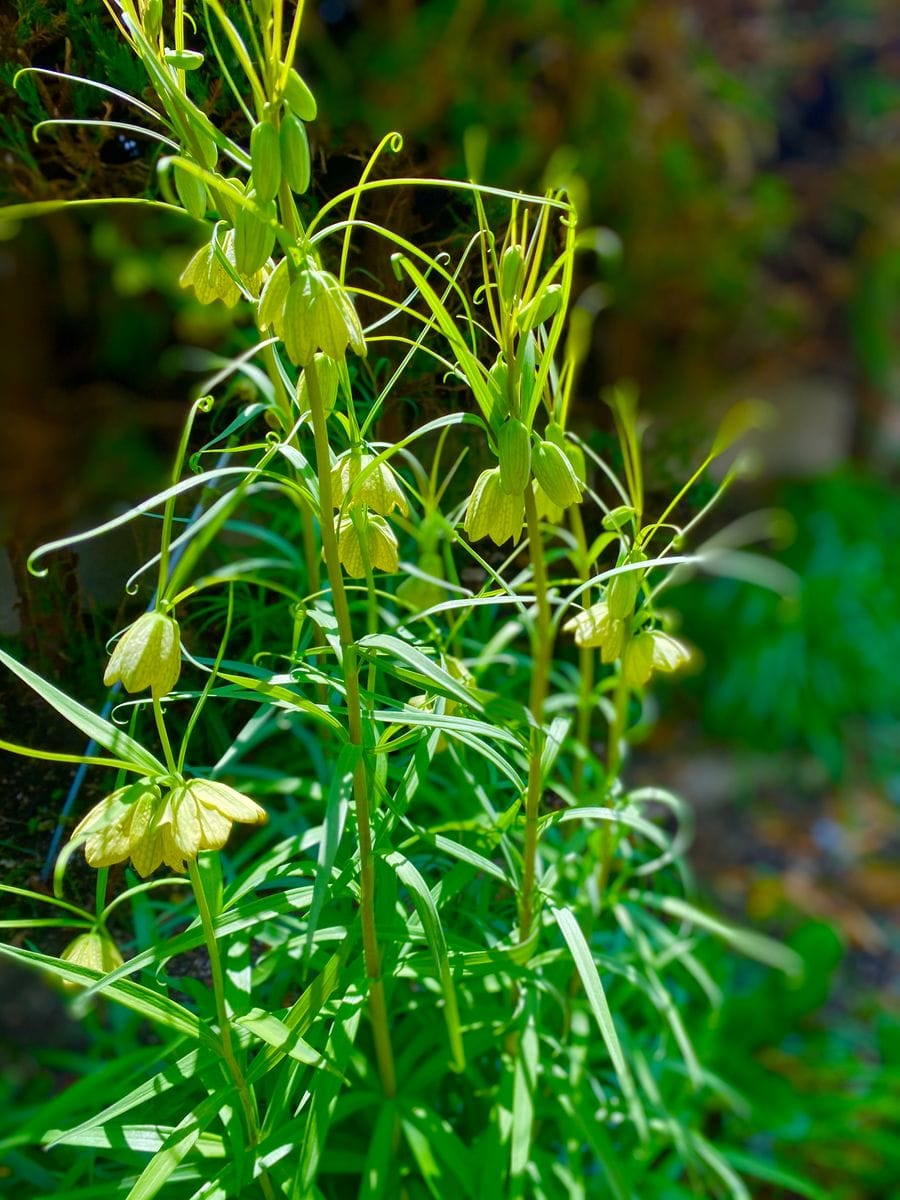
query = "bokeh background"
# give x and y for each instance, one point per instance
(741, 159)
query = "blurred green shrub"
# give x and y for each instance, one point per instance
(816, 671)
(822, 1060)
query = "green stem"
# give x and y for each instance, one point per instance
(614, 757)
(349, 664)
(542, 656)
(226, 1043)
(586, 657)
(164, 736)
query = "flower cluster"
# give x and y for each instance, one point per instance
(153, 823)
(365, 490)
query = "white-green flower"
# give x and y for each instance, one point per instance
(151, 826)
(147, 655)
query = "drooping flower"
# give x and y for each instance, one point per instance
(319, 315)
(150, 826)
(555, 474)
(493, 513)
(363, 535)
(122, 822)
(198, 815)
(653, 650)
(597, 627)
(147, 655)
(96, 950)
(380, 489)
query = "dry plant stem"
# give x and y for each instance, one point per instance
(225, 1042)
(349, 663)
(542, 656)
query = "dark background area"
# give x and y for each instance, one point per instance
(743, 159)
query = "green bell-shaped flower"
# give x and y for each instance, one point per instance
(380, 489)
(363, 536)
(147, 655)
(319, 315)
(492, 512)
(598, 628)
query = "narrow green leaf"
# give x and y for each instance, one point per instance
(434, 934)
(377, 1175)
(116, 741)
(154, 1007)
(745, 941)
(419, 668)
(768, 1172)
(174, 1075)
(183, 1138)
(590, 979)
(340, 796)
(525, 1072)
(268, 1028)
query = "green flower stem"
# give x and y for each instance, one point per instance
(248, 1105)
(542, 656)
(349, 663)
(608, 839)
(586, 656)
(164, 735)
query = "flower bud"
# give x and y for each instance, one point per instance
(95, 950)
(555, 474)
(227, 198)
(265, 161)
(295, 160)
(420, 593)
(597, 627)
(183, 60)
(273, 298)
(147, 655)
(493, 513)
(191, 191)
(363, 537)
(622, 592)
(510, 274)
(328, 374)
(544, 305)
(379, 490)
(319, 315)
(619, 518)
(299, 97)
(514, 452)
(498, 382)
(254, 237)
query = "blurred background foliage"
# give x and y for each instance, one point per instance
(742, 160)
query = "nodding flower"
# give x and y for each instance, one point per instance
(492, 512)
(152, 824)
(319, 315)
(147, 655)
(365, 536)
(380, 489)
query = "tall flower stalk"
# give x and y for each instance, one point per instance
(353, 633)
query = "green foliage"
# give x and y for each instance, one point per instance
(828, 1078)
(463, 955)
(815, 669)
